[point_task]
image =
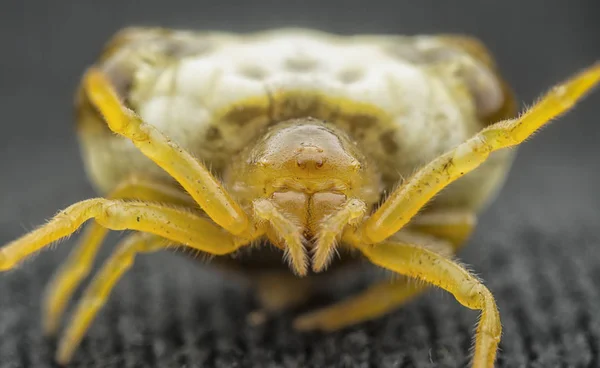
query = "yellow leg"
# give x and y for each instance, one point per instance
(189, 172)
(426, 265)
(331, 229)
(79, 263)
(177, 225)
(288, 231)
(453, 225)
(409, 198)
(374, 302)
(98, 291)
(60, 289)
(444, 231)
(387, 295)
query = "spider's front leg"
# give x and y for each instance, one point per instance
(166, 224)
(193, 176)
(179, 226)
(410, 197)
(443, 231)
(81, 258)
(427, 265)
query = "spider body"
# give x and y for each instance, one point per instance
(402, 100)
(315, 142)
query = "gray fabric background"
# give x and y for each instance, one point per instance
(537, 246)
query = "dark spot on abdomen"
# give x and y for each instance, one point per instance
(242, 115)
(213, 134)
(361, 122)
(388, 142)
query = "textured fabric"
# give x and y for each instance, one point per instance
(537, 246)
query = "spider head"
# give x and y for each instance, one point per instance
(307, 169)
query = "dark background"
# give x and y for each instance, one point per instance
(537, 246)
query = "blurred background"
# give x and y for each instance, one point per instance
(537, 246)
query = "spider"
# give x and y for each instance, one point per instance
(298, 144)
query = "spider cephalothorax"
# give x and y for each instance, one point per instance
(316, 179)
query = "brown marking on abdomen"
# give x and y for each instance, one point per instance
(480, 52)
(125, 53)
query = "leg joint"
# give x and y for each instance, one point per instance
(472, 294)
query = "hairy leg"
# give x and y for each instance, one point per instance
(443, 231)
(409, 198)
(377, 300)
(78, 265)
(177, 225)
(429, 266)
(98, 291)
(452, 225)
(193, 176)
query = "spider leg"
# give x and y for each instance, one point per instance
(98, 291)
(377, 300)
(410, 197)
(452, 225)
(78, 265)
(443, 231)
(434, 268)
(177, 225)
(195, 178)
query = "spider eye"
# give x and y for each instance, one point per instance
(310, 157)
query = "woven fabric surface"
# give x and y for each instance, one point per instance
(537, 246)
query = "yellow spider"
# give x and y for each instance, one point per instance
(317, 143)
